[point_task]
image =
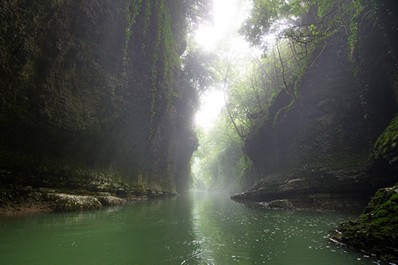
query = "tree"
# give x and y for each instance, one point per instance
(303, 22)
(199, 69)
(197, 11)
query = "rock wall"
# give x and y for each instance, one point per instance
(343, 103)
(96, 86)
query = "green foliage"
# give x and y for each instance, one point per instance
(249, 87)
(266, 13)
(386, 145)
(355, 11)
(303, 30)
(132, 11)
(199, 69)
(303, 22)
(147, 16)
(219, 163)
(378, 223)
(92, 84)
(197, 11)
(164, 59)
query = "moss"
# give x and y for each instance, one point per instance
(376, 230)
(90, 84)
(164, 58)
(344, 160)
(147, 16)
(132, 11)
(355, 8)
(386, 146)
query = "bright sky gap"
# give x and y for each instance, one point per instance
(221, 36)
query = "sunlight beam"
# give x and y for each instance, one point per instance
(221, 37)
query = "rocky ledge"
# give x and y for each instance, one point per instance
(61, 202)
(20, 195)
(319, 189)
(21, 200)
(374, 232)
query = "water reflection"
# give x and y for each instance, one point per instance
(227, 233)
(197, 229)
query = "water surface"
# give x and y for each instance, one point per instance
(197, 229)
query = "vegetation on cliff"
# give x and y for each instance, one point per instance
(375, 230)
(309, 121)
(337, 96)
(386, 146)
(329, 108)
(317, 99)
(97, 87)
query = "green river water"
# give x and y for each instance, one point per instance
(197, 229)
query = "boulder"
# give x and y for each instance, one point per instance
(376, 230)
(278, 205)
(67, 203)
(111, 200)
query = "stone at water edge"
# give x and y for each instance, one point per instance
(111, 200)
(376, 230)
(68, 203)
(281, 204)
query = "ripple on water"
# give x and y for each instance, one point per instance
(201, 229)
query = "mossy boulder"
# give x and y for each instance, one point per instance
(376, 230)
(386, 146)
(70, 203)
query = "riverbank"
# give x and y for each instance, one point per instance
(196, 228)
(316, 189)
(26, 200)
(21, 195)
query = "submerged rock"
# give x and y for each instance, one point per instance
(376, 230)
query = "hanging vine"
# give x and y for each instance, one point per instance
(132, 11)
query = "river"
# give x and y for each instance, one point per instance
(200, 228)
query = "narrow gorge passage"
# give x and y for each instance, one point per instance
(111, 112)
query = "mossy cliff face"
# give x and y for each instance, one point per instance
(343, 102)
(96, 86)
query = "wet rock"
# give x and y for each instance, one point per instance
(68, 203)
(320, 189)
(278, 205)
(158, 193)
(376, 230)
(111, 200)
(281, 204)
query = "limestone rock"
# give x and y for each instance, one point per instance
(111, 200)
(68, 203)
(278, 205)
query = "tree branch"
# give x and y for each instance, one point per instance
(227, 107)
(283, 72)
